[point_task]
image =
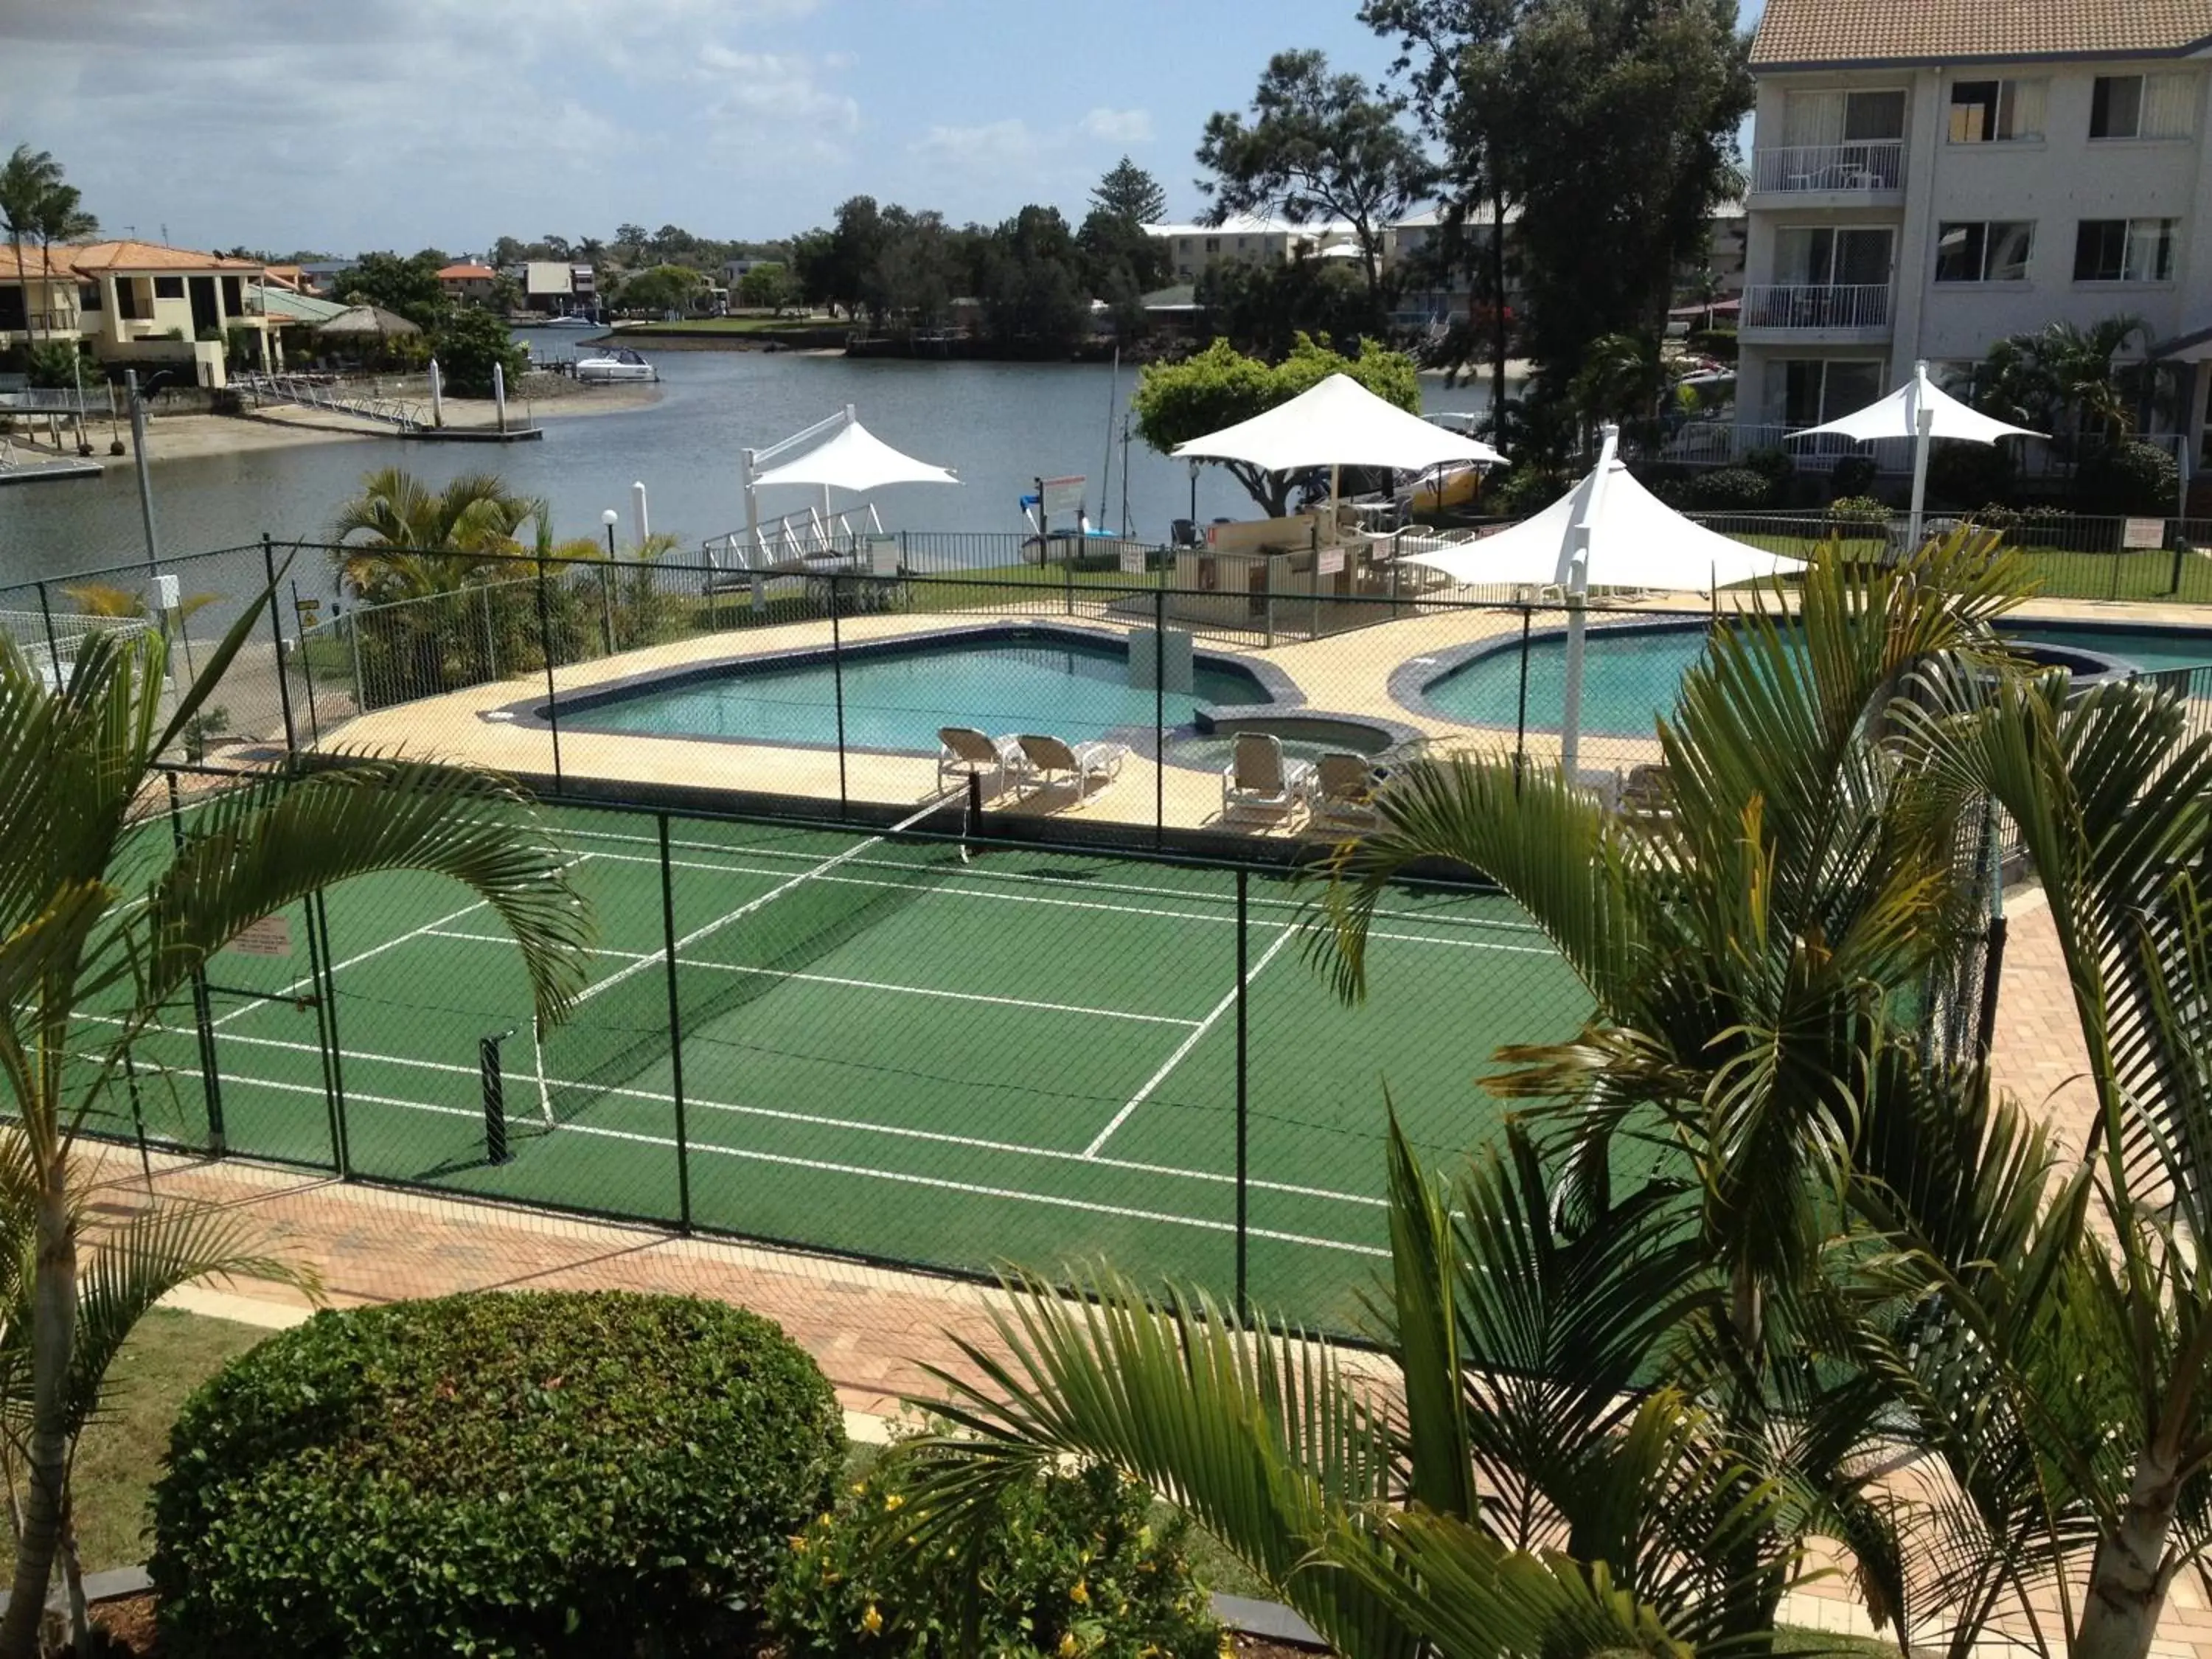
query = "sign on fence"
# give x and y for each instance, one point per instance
(271, 936)
(1061, 498)
(2143, 533)
(1331, 562)
(1132, 560)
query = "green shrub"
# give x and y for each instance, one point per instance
(1072, 1563)
(1731, 488)
(1776, 466)
(1858, 510)
(494, 1474)
(2128, 477)
(1960, 473)
(1853, 476)
(1520, 490)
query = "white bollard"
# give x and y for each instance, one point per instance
(638, 513)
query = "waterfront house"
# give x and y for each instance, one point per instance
(1932, 175)
(468, 282)
(140, 304)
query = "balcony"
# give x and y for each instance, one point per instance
(1815, 314)
(1862, 172)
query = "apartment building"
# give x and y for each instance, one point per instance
(138, 303)
(1193, 250)
(1929, 176)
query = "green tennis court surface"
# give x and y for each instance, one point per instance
(1032, 1057)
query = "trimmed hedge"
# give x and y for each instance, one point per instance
(493, 1474)
(1072, 1565)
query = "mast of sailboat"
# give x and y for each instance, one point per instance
(1106, 479)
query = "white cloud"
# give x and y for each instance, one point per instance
(1118, 126)
(997, 145)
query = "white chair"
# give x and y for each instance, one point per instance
(964, 752)
(1048, 759)
(1344, 793)
(1258, 782)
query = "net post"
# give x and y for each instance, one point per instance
(277, 635)
(1243, 1116)
(972, 829)
(675, 1028)
(307, 672)
(492, 1074)
(328, 1007)
(324, 1043)
(1159, 716)
(53, 645)
(203, 1011)
(837, 683)
(1520, 712)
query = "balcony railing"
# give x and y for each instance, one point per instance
(1814, 306)
(1866, 165)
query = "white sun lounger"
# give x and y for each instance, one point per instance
(963, 752)
(1344, 793)
(1258, 782)
(1050, 758)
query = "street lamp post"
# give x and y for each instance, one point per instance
(1194, 496)
(608, 518)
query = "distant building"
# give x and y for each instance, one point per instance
(1193, 250)
(136, 303)
(468, 282)
(556, 287)
(321, 276)
(1930, 176)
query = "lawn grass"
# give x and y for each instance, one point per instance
(168, 1356)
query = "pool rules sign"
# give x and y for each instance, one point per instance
(271, 936)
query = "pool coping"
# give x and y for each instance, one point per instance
(529, 713)
(1409, 682)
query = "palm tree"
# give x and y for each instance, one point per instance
(61, 218)
(2063, 376)
(94, 914)
(26, 184)
(166, 1245)
(400, 539)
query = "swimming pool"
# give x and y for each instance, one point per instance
(1630, 675)
(898, 693)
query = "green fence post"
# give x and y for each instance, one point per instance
(276, 637)
(675, 1029)
(1244, 1115)
(202, 1009)
(545, 644)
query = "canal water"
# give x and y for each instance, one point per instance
(996, 425)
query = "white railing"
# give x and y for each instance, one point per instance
(310, 393)
(793, 540)
(1867, 165)
(1814, 306)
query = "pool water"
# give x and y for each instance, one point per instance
(1631, 677)
(897, 696)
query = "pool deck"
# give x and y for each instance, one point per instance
(1347, 673)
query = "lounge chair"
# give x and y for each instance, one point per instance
(1259, 782)
(1048, 759)
(1646, 793)
(964, 752)
(1344, 793)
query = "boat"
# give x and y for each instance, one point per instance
(613, 364)
(573, 319)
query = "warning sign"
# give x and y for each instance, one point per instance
(2143, 533)
(271, 936)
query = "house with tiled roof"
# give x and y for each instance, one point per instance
(1929, 176)
(140, 303)
(469, 281)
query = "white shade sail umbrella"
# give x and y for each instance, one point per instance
(1923, 411)
(854, 459)
(1338, 423)
(1607, 531)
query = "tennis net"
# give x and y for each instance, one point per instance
(620, 1028)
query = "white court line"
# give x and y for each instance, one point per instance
(865, 984)
(897, 1178)
(1262, 902)
(1227, 1002)
(814, 1119)
(954, 891)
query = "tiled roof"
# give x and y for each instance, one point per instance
(464, 271)
(151, 256)
(11, 272)
(1794, 31)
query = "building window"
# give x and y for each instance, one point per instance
(1814, 390)
(126, 298)
(1817, 256)
(2124, 250)
(1842, 117)
(233, 299)
(1997, 112)
(2141, 106)
(169, 288)
(1984, 251)
(1214, 245)
(87, 296)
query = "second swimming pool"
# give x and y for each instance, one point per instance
(898, 693)
(1630, 675)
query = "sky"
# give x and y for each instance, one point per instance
(343, 126)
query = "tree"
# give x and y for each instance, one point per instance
(1220, 386)
(60, 218)
(1613, 124)
(811, 254)
(96, 912)
(26, 184)
(766, 288)
(1031, 283)
(1127, 192)
(856, 249)
(469, 342)
(630, 242)
(1264, 308)
(2064, 379)
(661, 289)
(1320, 146)
(406, 287)
(400, 539)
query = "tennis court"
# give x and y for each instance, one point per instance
(886, 1049)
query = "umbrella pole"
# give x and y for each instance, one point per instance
(1924, 429)
(1577, 586)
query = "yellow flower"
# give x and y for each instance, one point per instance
(1081, 1594)
(891, 1501)
(799, 1544)
(1068, 1647)
(859, 1489)
(1228, 1648)
(871, 1621)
